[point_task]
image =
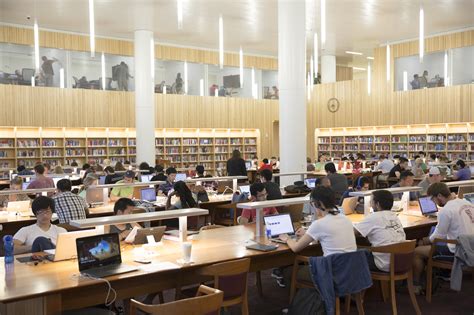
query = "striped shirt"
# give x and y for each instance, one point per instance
(69, 206)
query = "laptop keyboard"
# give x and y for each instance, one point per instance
(108, 271)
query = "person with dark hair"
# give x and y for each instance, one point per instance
(464, 171)
(199, 171)
(184, 194)
(338, 181)
(257, 193)
(361, 184)
(86, 166)
(170, 178)
(407, 179)
(236, 165)
(15, 184)
(119, 167)
(382, 227)
(110, 176)
(123, 206)
(309, 165)
(272, 188)
(385, 165)
(145, 168)
(42, 235)
(455, 219)
(125, 191)
(69, 206)
(40, 181)
(265, 165)
(74, 164)
(399, 168)
(159, 174)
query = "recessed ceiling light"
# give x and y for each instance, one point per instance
(370, 58)
(354, 53)
(357, 68)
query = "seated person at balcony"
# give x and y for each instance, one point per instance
(265, 165)
(40, 181)
(119, 167)
(362, 184)
(434, 176)
(74, 163)
(399, 168)
(170, 178)
(272, 188)
(42, 235)
(338, 181)
(319, 166)
(417, 168)
(15, 184)
(385, 165)
(144, 167)
(110, 176)
(463, 171)
(184, 195)
(123, 206)
(126, 191)
(454, 220)
(381, 228)
(257, 193)
(407, 179)
(90, 180)
(159, 174)
(236, 165)
(221, 91)
(69, 206)
(415, 84)
(309, 165)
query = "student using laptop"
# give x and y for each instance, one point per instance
(272, 188)
(69, 206)
(110, 176)
(184, 195)
(15, 184)
(338, 181)
(455, 219)
(362, 184)
(41, 235)
(407, 179)
(123, 206)
(397, 170)
(126, 191)
(463, 171)
(41, 181)
(383, 227)
(257, 193)
(171, 176)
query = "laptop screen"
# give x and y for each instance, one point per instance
(98, 250)
(310, 182)
(145, 178)
(245, 189)
(248, 164)
(180, 176)
(427, 206)
(469, 197)
(279, 224)
(25, 185)
(148, 194)
(95, 195)
(102, 180)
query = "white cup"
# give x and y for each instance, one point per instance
(186, 248)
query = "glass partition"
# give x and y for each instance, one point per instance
(227, 81)
(270, 85)
(178, 77)
(463, 65)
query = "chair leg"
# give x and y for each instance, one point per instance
(245, 305)
(259, 283)
(411, 290)
(392, 297)
(429, 282)
(384, 288)
(348, 303)
(338, 306)
(293, 281)
(360, 305)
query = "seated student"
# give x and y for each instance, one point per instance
(159, 174)
(42, 235)
(200, 172)
(309, 165)
(123, 206)
(21, 169)
(257, 193)
(381, 228)
(432, 160)
(265, 165)
(338, 181)
(144, 167)
(434, 176)
(417, 168)
(407, 179)
(110, 176)
(184, 195)
(362, 184)
(41, 181)
(90, 180)
(15, 184)
(171, 176)
(464, 171)
(319, 166)
(126, 191)
(272, 188)
(119, 167)
(455, 219)
(69, 206)
(385, 165)
(399, 168)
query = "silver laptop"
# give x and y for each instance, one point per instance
(245, 189)
(469, 197)
(95, 196)
(349, 204)
(156, 232)
(279, 224)
(428, 207)
(66, 245)
(21, 208)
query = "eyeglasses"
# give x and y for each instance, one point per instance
(44, 211)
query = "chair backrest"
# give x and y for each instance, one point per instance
(401, 255)
(207, 301)
(230, 277)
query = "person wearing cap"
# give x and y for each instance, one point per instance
(434, 176)
(123, 191)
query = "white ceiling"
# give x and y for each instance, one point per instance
(355, 25)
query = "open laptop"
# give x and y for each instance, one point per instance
(279, 224)
(464, 190)
(469, 197)
(428, 207)
(146, 178)
(148, 194)
(349, 204)
(20, 207)
(245, 189)
(95, 196)
(180, 176)
(99, 256)
(102, 179)
(310, 182)
(66, 245)
(157, 233)
(248, 165)
(25, 185)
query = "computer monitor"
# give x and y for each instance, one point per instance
(469, 197)
(102, 180)
(148, 194)
(279, 224)
(180, 176)
(427, 206)
(146, 178)
(98, 251)
(245, 189)
(310, 182)
(248, 165)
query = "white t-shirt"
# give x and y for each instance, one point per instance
(456, 218)
(335, 234)
(28, 234)
(382, 228)
(385, 166)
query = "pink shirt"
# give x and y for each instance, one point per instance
(251, 214)
(42, 182)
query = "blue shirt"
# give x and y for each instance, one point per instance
(464, 174)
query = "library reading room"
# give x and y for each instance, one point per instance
(196, 157)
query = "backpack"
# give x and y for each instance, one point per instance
(297, 189)
(307, 301)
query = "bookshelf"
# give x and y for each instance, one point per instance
(183, 147)
(455, 140)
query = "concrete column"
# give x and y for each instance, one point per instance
(292, 79)
(328, 69)
(144, 97)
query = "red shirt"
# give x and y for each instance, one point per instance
(251, 214)
(265, 167)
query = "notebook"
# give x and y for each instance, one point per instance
(279, 224)
(427, 206)
(66, 245)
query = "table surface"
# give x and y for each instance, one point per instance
(209, 246)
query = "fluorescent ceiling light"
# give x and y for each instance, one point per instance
(354, 53)
(201, 87)
(446, 81)
(358, 68)
(311, 73)
(186, 77)
(254, 91)
(388, 62)
(179, 4)
(102, 62)
(37, 57)
(370, 58)
(316, 54)
(369, 79)
(61, 78)
(308, 88)
(405, 81)
(92, 27)
(241, 67)
(422, 34)
(152, 61)
(221, 42)
(323, 23)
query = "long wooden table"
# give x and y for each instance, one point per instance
(48, 288)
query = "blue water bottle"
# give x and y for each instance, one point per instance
(8, 247)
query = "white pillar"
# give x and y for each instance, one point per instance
(292, 79)
(328, 69)
(144, 97)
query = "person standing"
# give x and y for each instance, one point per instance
(47, 70)
(236, 165)
(122, 76)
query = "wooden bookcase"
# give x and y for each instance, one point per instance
(455, 140)
(184, 147)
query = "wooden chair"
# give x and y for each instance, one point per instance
(207, 301)
(401, 264)
(299, 283)
(231, 278)
(435, 263)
